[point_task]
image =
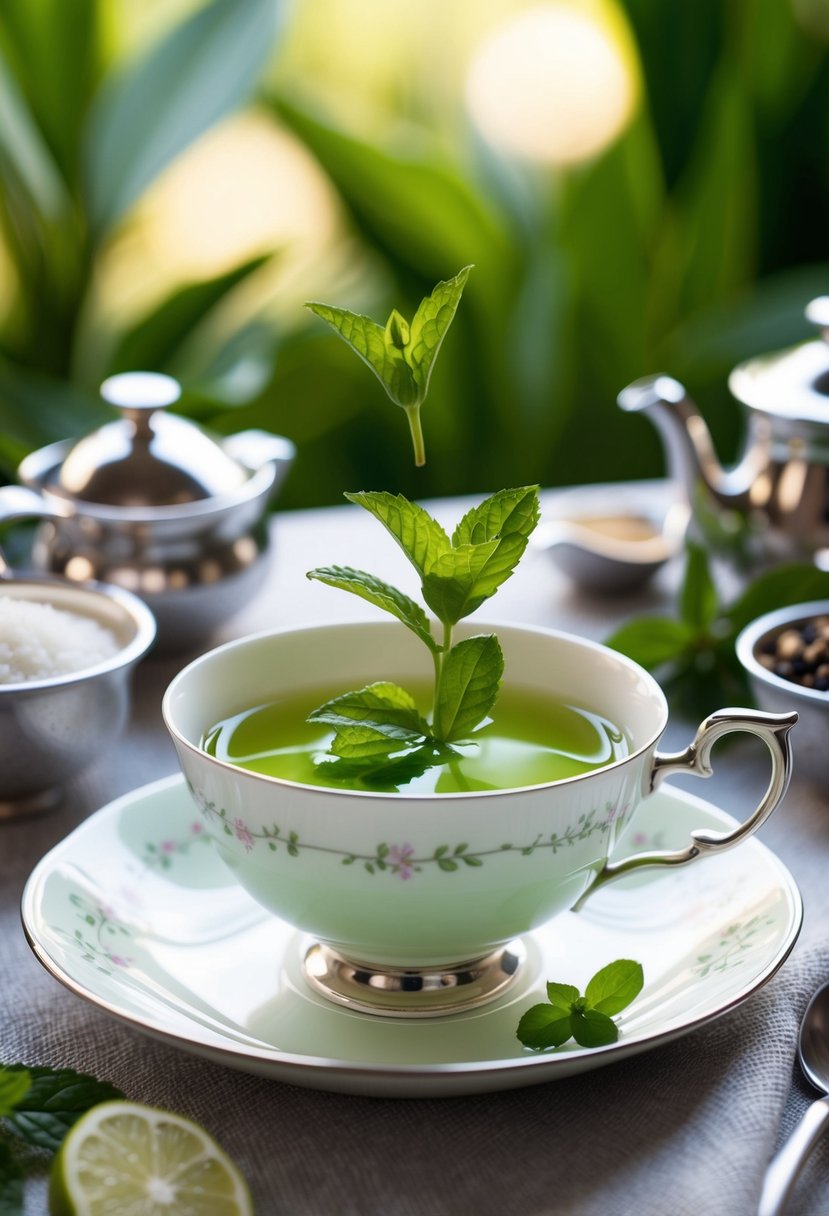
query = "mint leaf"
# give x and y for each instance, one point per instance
(794, 583)
(14, 1085)
(563, 996)
(386, 707)
(384, 772)
(363, 743)
(469, 683)
(379, 593)
(11, 1183)
(54, 1101)
(544, 1026)
(368, 340)
(652, 640)
(614, 987)
(420, 537)
(429, 325)
(593, 1029)
(459, 581)
(506, 512)
(698, 600)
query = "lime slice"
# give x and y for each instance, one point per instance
(124, 1159)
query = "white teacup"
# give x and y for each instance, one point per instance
(415, 899)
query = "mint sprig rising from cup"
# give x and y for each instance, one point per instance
(379, 733)
(589, 1018)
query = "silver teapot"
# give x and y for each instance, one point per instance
(773, 505)
(151, 503)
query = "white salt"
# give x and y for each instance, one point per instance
(38, 642)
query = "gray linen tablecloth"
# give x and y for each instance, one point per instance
(686, 1128)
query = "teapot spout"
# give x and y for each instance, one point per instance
(691, 459)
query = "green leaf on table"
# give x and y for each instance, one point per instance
(379, 593)
(384, 707)
(593, 1029)
(14, 1085)
(460, 580)
(793, 583)
(55, 1099)
(614, 987)
(11, 1183)
(545, 1026)
(420, 536)
(504, 513)
(652, 640)
(698, 599)
(585, 1018)
(469, 684)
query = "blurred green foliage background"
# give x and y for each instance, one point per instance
(642, 185)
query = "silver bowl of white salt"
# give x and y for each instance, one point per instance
(66, 657)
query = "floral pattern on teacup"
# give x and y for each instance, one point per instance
(102, 939)
(402, 859)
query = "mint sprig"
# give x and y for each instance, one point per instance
(402, 355)
(38, 1106)
(588, 1019)
(694, 652)
(375, 724)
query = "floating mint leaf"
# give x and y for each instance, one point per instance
(469, 683)
(384, 706)
(420, 537)
(614, 987)
(402, 356)
(584, 1018)
(383, 772)
(379, 593)
(368, 339)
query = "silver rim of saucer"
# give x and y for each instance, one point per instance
(412, 992)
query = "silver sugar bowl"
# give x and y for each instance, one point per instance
(151, 503)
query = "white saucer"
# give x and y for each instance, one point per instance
(135, 912)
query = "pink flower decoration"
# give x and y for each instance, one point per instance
(242, 832)
(119, 960)
(168, 846)
(614, 811)
(197, 828)
(400, 856)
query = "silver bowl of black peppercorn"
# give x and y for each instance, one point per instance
(785, 654)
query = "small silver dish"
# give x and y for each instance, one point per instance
(615, 549)
(778, 694)
(53, 727)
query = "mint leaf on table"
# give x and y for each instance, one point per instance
(469, 684)
(11, 1183)
(586, 1018)
(402, 355)
(55, 1099)
(15, 1083)
(695, 656)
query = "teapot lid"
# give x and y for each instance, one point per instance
(147, 458)
(794, 383)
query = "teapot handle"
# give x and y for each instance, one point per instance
(773, 729)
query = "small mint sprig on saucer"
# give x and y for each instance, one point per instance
(588, 1019)
(402, 354)
(379, 733)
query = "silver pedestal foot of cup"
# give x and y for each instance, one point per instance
(412, 992)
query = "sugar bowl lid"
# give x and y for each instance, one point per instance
(147, 457)
(794, 383)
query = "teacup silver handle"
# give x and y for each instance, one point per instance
(773, 729)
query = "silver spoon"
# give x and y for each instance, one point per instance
(813, 1053)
